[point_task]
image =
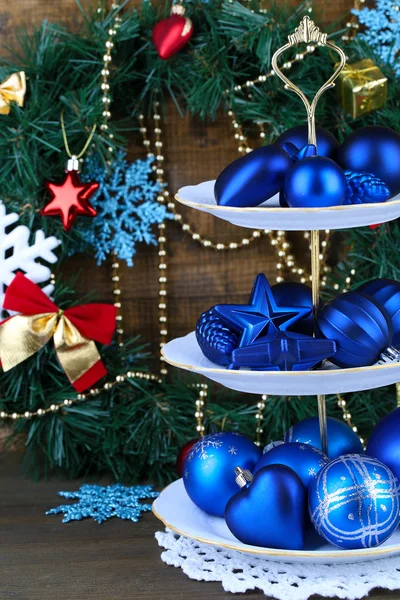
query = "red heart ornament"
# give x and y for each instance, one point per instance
(172, 34)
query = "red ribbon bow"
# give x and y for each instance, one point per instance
(74, 331)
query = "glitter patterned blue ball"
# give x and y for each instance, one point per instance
(315, 182)
(252, 179)
(354, 503)
(209, 469)
(216, 340)
(305, 460)
(341, 438)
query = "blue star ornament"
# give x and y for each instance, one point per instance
(261, 317)
(286, 352)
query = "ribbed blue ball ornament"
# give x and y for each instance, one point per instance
(387, 293)
(216, 340)
(341, 438)
(299, 294)
(270, 510)
(373, 149)
(327, 144)
(384, 443)
(360, 326)
(209, 469)
(252, 179)
(305, 460)
(354, 502)
(315, 182)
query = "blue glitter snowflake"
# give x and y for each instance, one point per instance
(103, 502)
(126, 208)
(383, 30)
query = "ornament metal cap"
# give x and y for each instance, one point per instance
(243, 477)
(178, 9)
(390, 355)
(73, 163)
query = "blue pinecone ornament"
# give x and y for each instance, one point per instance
(365, 188)
(216, 340)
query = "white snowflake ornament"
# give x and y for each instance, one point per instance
(16, 254)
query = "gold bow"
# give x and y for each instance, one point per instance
(12, 90)
(23, 335)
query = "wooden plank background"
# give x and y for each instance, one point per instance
(195, 151)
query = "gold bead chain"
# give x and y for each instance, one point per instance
(259, 419)
(347, 416)
(199, 414)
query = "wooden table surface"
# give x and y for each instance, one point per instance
(43, 559)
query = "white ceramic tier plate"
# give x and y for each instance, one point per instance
(271, 216)
(175, 509)
(185, 353)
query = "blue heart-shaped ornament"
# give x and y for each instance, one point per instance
(270, 511)
(254, 178)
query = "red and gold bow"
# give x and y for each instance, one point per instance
(74, 331)
(12, 90)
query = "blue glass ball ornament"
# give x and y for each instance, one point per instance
(252, 179)
(387, 293)
(354, 503)
(216, 340)
(305, 460)
(270, 510)
(209, 469)
(365, 188)
(373, 149)
(327, 144)
(360, 326)
(341, 438)
(315, 182)
(384, 443)
(291, 292)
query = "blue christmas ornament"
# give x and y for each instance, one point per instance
(354, 502)
(341, 438)
(288, 351)
(286, 293)
(365, 188)
(209, 469)
(216, 340)
(261, 317)
(387, 293)
(305, 460)
(373, 149)
(384, 443)
(252, 179)
(103, 502)
(361, 328)
(269, 510)
(327, 144)
(315, 182)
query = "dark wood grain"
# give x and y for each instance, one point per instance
(43, 559)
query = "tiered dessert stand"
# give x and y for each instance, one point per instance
(173, 506)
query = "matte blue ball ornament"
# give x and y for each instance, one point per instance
(269, 510)
(252, 179)
(315, 182)
(373, 149)
(361, 328)
(384, 443)
(305, 460)
(354, 503)
(365, 188)
(387, 293)
(209, 469)
(289, 292)
(216, 340)
(327, 144)
(341, 438)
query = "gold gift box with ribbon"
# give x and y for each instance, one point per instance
(362, 88)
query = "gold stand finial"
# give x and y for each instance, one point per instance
(308, 32)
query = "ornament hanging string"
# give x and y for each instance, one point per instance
(85, 147)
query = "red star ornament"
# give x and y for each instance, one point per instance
(70, 199)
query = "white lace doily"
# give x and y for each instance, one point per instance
(240, 573)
